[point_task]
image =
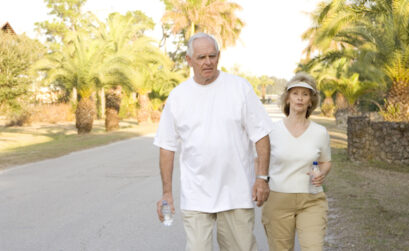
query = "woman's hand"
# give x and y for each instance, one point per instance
(319, 180)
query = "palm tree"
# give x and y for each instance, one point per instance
(353, 89)
(117, 33)
(124, 35)
(330, 77)
(374, 35)
(216, 17)
(81, 64)
(328, 19)
(151, 66)
(397, 101)
(161, 80)
(261, 83)
(157, 82)
(328, 88)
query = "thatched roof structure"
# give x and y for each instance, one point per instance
(6, 27)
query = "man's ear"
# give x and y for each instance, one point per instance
(189, 60)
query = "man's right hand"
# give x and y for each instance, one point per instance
(169, 199)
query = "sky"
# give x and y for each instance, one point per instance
(270, 43)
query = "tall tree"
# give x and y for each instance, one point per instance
(374, 35)
(159, 80)
(187, 17)
(68, 16)
(82, 64)
(78, 65)
(124, 35)
(17, 54)
(216, 17)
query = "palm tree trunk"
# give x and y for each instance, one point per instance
(341, 102)
(327, 107)
(113, 104)
(145, 107)
(263, 93)
(100, 103)
(397, 102)
(84, 115)
(343, 110)
(74, 97)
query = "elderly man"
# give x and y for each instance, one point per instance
(214, 119)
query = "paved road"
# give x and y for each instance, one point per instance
(98, 199)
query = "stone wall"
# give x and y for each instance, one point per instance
(341, 116)
(374, 140)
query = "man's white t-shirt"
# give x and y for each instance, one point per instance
(215, 126)
(292, 157)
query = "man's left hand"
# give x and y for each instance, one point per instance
(261, 191)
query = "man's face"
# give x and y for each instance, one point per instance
(204, 61)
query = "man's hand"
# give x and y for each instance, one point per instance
(166, 158)
(169, 199)
(261, 191)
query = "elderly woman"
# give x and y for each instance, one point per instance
(297, 142)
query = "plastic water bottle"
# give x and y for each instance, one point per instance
(315, 171)
(167, 213)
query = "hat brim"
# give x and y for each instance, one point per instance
(300, 84)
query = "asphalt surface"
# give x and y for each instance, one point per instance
(98, 199)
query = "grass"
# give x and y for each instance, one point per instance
(368, 201)
(20, 145)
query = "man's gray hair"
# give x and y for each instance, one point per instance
(196, 36)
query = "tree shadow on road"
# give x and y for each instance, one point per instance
(52, 141)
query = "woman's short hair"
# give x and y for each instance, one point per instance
(196, 36)
(300, 77)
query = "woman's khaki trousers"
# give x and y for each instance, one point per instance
(285, 213)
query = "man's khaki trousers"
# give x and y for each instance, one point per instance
(234, 230)
(284, 213)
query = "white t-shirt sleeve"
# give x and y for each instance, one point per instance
(255, 117)
(325, 155)
(166, 136)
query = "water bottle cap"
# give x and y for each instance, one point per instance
(164, 202)
(315, 163)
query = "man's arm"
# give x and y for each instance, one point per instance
(263, 153)
(166, 159)
(261, 189)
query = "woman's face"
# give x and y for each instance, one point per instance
(299, 99)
